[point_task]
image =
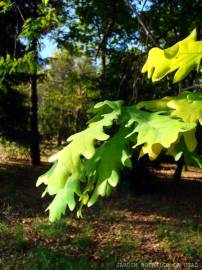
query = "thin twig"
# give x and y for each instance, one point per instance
(108, 31)
(143, 5)
(148, 33)
(21, 15)
(192, 87)
(104, 38)
(120, 86)
(15, 40)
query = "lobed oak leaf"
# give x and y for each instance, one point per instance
(182, 57)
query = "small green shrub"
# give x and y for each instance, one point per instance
(41, 258)
(186, 238)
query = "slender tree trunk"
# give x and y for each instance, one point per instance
(78, 119)
(103, 63)
(103, 66)
(59, 140)
(59, 137)
(34, 145)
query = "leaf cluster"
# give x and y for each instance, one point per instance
(89, 166)
(91, 169)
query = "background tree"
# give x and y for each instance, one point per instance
(37, 18)
(115, 33)
(65, 95)
(14, 124)
(100, 28)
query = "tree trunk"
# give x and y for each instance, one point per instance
(103, 64)
(78, 119)
(140, 176)
(103, 70)
(179, 168)
(59, 138)
(34, 145)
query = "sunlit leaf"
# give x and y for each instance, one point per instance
(182, 57)
(105, 165)
(187, 106)
(45, 2)
(156, 131)
(68, 162)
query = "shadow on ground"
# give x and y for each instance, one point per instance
(158, 222)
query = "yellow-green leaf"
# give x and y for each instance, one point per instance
(181, 58)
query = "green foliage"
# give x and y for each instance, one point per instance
(89, 166)
(5, 5)
(31, 21)
(4, 228)
(33, 28)
(90, 20)
(14, 150)
(70, 81)
(36, 20)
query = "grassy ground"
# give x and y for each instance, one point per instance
(160, 228)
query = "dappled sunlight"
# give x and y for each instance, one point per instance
(127, 226)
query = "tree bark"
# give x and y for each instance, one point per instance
(103, 64)
(140, 176)
(59, 137)
(34, 144)
(178, 170)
